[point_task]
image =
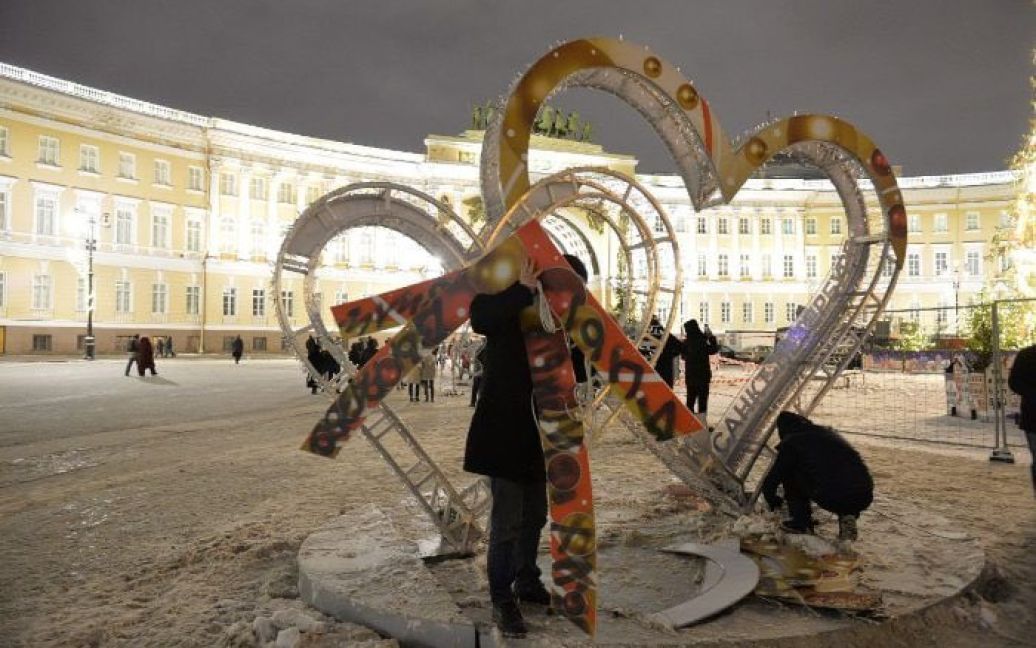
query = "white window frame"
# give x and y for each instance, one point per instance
(836, 225)
(89, 159)
(745, 271)
(127, 166)
(258, 302)
(195, 178)
(766, 266)
(5, 208)
(286, 194)
(193, 232)
(766, 226)
(973, 263)
(163, 173)
(159, 298)
(42, 291)
(941, 263)
(972, 221)
(914, 223)
(913, 264)
(48, 151)
(227, 184)
(5, 142)
(228, 235)
(192, 300)
(811, 266)
(788, 266)
(230, 301)
(941, 223)
(703, 265)
(130, 210)
(288, 302)
(257, 236)
(703, 313)
(790, 312)
(258, 188)
(744, 226)
(51, 197)
(722, 265)
(723, 225)
(747, 313)
(725, 310)
(811, 226)
(123, 296)
(769, 313)
(788, 227)
(702, 226)
(161, 226)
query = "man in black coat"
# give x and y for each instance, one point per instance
(815, 463)
(697, 348)
(504, 444)
(1022, 381)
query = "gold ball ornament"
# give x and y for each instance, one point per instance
(755, 151)
(687, 96)
(500, 268)
(580, 541)
(652, 66)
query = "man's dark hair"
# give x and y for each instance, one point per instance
(578, 266)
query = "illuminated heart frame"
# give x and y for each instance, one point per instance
(713, 169)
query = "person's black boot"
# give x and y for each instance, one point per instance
(508, 618)
(536, 593)
(797, 526)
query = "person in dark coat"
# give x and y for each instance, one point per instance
(697, 348)
(1022, 381)
(315, 358)
(237, 349)
(504, 444)
(169, 347)
(133, 348)
(477, 370)
(161, 347)
(146, 357)
(670, 351)
(815, 463)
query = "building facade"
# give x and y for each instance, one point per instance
(188, 213)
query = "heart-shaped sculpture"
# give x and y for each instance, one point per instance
(713, 169)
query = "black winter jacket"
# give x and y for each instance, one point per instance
(828, 467)
(503, 440)
(696, 352)
(1022, 381)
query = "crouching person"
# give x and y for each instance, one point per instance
(815, 464)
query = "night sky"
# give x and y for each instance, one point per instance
(942, 87)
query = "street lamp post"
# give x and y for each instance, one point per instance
(90, 343)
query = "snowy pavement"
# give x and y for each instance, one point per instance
(66, 399)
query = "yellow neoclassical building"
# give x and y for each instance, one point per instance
(188, 213)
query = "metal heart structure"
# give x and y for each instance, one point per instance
(721, 463)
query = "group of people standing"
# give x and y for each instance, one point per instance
(694, 349)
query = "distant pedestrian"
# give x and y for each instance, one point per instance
(428, 368)
(1022, 381)
(145, 357)
(160, 344)
(477, 369)
(668, 354)
(133, 349)
(414, 384)
(697, 348)
(237, 348)
(314, 357)
(169, 347)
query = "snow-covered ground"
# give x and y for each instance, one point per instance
(168, 511)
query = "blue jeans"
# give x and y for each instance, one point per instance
(518, 516)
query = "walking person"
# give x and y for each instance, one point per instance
(169, 347)
(1022, 381)
(237, 349)
(133, 349)
(667, 355)
(314, 357)
(477, 370)
(428, 368)
(504, 444)
(145, 357)
(697, 348)
(160, 344)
